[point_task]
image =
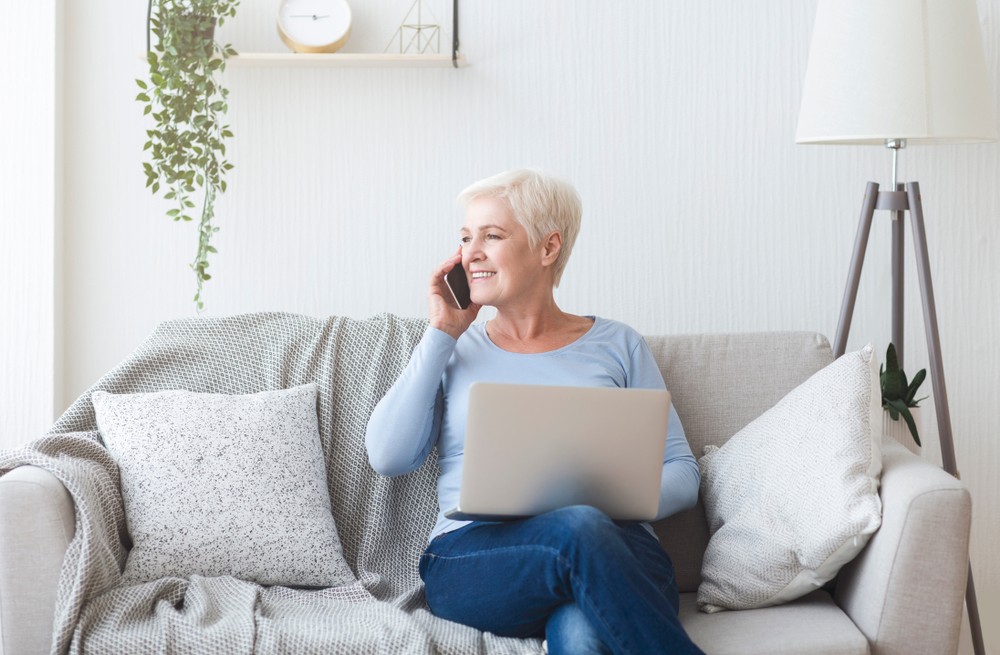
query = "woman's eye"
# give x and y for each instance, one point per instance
(465, 240)
(492, 236)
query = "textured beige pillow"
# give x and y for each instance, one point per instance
(220, 485)
(793, 496)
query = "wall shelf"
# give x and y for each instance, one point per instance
(342, 60)
(348, 59)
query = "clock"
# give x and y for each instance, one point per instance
(314, 25)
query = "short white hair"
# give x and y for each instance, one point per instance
(540, 202)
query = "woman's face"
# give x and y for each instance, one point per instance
(496, 254)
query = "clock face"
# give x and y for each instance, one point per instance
(314, 25)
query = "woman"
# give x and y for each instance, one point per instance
(585, 583)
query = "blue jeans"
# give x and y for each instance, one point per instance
(584, 582)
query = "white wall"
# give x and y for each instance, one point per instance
(30, 217)
(674, 119)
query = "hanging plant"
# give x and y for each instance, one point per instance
(188, 103)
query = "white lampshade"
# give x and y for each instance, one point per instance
(896, 69)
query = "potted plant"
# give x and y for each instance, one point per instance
(188, 103)
(898, 395)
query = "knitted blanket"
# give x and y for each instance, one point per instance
(383, 523)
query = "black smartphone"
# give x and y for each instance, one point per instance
(458, 283)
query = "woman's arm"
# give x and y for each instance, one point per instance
(405, 424)
(680, 478)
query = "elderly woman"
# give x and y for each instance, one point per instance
(585, 583)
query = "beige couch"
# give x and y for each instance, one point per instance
(903, 594)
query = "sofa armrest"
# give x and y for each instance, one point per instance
(905, 590)
(37, 522)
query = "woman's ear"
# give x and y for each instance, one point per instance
(551, 248)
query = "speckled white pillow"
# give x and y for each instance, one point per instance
(224, 485)
(793, 496)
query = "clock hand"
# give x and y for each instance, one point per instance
(312, 16)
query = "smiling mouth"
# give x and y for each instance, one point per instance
(479, 275)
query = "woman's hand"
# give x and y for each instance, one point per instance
(444, 314)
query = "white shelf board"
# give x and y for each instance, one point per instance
(340, 60)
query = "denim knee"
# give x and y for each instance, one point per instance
(579, 520)
(568, 632)
(582, 526)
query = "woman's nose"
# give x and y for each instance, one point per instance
(472, 251)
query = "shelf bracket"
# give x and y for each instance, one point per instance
(454, 33)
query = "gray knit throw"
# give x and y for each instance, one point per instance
(383, 523)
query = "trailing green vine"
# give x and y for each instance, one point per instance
(188, 104)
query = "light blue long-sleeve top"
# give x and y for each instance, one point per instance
(428, 404)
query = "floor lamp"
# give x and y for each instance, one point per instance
(893, 72)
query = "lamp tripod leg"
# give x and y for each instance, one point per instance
(972, 607)
(898, 251)
(938, 384)
(854, 274)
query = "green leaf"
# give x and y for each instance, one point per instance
(894, 385)
(914, 385)
(908, 417)
(891, 362)
(142, 85)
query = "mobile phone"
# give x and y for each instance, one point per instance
(458, 284)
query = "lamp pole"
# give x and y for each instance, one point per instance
(897, 252)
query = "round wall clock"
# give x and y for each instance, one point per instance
(314, 25)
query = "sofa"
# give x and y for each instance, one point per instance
(902, 594)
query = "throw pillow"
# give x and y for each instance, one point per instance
(793, 496)
(219, 485)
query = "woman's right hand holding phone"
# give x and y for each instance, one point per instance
(445, 315)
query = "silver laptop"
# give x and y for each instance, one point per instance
(530, 449)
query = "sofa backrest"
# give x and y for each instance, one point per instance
(720, 383)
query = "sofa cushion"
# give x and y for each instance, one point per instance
(812, 624)
(793, 496)
(219, 484)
